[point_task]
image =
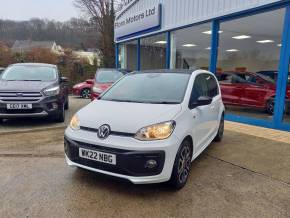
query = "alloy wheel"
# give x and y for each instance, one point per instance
(221, 128)
(86, 93)
(184, 164)
(271, 107)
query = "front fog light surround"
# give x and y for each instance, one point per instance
(52, 91)
(54, 106)
(156, 132)
(150, 164)
(75, 123)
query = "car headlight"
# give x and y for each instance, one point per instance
(52, 91)
(156, 132)
(75, 123)
(97, 90)
(77, 86)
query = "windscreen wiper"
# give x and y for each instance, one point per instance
(163, 102)
(117, 100)
(24, 80)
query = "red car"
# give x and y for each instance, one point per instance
(83, 89)
(104, 79)
(249, 90)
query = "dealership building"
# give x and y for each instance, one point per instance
(244, 37)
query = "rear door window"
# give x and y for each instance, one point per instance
(212, 86)
(204, 85)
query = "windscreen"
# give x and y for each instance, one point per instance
(154, 88)
(108, 76)
(29, 73)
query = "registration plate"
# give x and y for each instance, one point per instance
(19, 106)
(97, 156)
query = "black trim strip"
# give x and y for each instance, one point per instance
(124, 134)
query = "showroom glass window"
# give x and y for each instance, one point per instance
(190, 47)
(287, 100)
(153, 52)
(128, 55)
(249, 50)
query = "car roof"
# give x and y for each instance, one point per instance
(181, 71)
(34, 64)
(268, 71)
(235, 72)
(124, 71)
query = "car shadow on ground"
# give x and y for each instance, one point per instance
(21, 123)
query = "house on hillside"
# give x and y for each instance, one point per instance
(92, 57)
(21, 46)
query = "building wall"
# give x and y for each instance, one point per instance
(177, 13)
(181, 44)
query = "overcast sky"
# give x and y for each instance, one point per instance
(60, 10)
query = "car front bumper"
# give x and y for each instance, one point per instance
(47, 106)
(94, 95)
(131, 156)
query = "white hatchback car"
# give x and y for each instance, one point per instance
(148, 127)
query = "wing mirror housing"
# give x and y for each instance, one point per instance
(201, 101)
(64, 79)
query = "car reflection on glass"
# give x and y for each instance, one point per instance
(251, 90)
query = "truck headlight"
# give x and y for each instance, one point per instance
(52, 91)
(156, 132)
(75, 123)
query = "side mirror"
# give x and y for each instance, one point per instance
(201, 101)
(64, 79)
(89, 81)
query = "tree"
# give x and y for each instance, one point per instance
(102, 13)
(76, 33)
(6, 56)
(41, 55)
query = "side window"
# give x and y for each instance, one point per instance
(200, 87)
(212, 86)
(238, 79)
(225, 78)
(252, 79)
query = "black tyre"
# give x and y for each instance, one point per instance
(270, 106)
(86, 93)
(220, 133)
(66, 105)
(60, 117)
(181, 167)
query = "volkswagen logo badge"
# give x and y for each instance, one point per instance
(19, 94)
(104, 131)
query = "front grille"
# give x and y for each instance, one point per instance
(20, 96)
(124, 134)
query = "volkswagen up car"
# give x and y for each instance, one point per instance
(148, 127)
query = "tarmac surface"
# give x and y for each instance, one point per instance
(243, 176)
